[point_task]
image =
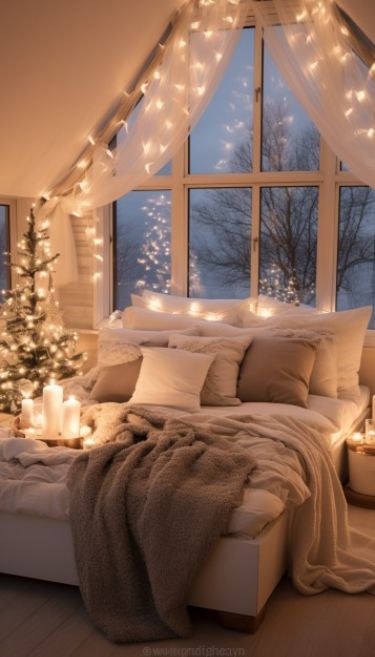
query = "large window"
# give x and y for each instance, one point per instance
(356, 249)
(254, 195)
(4, 247)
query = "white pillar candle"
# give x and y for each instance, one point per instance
(71, 411)
(52, 407)
(27, 414)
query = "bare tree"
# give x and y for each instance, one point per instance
(221, 225)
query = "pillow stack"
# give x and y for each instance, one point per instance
(183, 352)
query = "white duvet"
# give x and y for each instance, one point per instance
(32, 476)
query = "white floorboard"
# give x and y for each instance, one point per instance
(40, 619)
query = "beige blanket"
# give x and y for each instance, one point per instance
(323, 551)
(145, 510)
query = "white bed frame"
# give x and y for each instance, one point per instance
(236, 580)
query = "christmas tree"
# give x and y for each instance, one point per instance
(34, 346)
(273, 285)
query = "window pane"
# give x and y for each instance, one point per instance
(166, 170)
(142, 244)
(288, 235)
(4, 247)
(219, 242)
(290, 141)
(222, 141)
(356, 249)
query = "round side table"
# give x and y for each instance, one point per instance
(361, 488)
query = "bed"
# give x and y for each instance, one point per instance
(247, 562)
(245, 565)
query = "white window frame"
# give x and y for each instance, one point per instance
(328, 178)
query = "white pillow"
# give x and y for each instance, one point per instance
(171, 302)
(224, 310)
(323, 380)
(348, 327)
(267, 306)
(220, 388)
(139, 318)
(116, 346)
(171, 377)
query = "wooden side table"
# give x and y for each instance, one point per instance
(361, 488)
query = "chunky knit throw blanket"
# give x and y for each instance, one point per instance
(146, 509)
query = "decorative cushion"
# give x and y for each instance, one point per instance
(268, 306)
(195, 306)
(116, 383)
(191, 307)
(171, 377)
(221, 383)
(277, 370)
(323, 379)
(122, 345)
(349, 328)
(140, 318)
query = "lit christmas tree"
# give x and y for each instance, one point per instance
(156, 248)
(272, 286)
(34, 346)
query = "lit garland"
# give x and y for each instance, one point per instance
(271, 286)
(34, 347)
(156, 248)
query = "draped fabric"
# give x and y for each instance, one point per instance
(315, 52)
(193, 63)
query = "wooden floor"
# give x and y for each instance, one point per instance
(39, 619)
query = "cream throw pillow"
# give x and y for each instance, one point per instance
(148, 320)
(221, 383)
(191, 308)
(196, 307)
(171, 377)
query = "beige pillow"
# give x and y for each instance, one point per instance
(349, 328)
(116, 383)
(277, 370)
(221, 383)
(171, 377)
(323, 379)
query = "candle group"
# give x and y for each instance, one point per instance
(58, 417)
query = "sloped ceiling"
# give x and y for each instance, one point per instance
(62, 64)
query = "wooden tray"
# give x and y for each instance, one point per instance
(74, 443)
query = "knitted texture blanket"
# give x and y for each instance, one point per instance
(146, 509)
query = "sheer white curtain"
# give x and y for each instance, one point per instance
(314, 50)
(195, 57)
(194, 60)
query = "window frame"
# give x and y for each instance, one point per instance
(12, 234)
(328, 178)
